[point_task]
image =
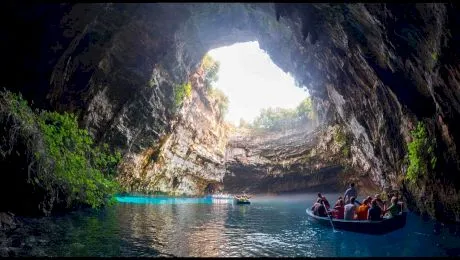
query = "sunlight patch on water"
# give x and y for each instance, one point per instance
(162, 200)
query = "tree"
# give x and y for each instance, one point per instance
(221, 101)
(304, 110)
(211, 70)
(283, 118)
(244, 123)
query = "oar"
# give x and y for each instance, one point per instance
(329, 214)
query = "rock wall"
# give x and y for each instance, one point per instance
(297, 160)
(189, 158)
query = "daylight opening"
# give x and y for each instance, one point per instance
(257, 90)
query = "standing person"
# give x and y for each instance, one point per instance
(350, 192)
(324, 200)
(350, 210)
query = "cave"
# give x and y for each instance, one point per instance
(373, 71)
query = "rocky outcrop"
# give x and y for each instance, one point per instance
(299, 160)
(375, 68)
(188, 159)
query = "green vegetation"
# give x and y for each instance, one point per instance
(66, 158)
(181, 92)
(421, 154)
(210, 69)
(221, 99)
(84, 169)
(275, 119)
(434, 56)
(343, 141)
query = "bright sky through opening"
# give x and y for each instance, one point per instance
(252, 81)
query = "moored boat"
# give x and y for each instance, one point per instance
(363, 226)
(221, 196)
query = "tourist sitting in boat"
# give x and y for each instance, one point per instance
(243, 197)
(338, 201)
(318, 208)
(361, 212)
(350, 192)
(375, 211)
(324, 200)
(379, 202)
(338, 210)
(350, 210)
(394, 209)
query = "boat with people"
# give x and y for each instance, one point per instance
(371, 216)
(242, 199)
(374, 227)
(379, 227)
(239, 201)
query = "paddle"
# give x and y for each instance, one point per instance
(329, 215)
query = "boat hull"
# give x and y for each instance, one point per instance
(363, 226)
(242, 202)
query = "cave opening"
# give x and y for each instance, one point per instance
(273, 122)
(256, 88)
(262, 102)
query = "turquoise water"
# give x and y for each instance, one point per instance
(269, 226)
(163, 200)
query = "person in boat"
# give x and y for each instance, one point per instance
(318, 208)
(394, 209)
(243, 197)
(375, 211)
(379, 202)
(350, 210)
(350, 192)
(362, 211)
(324, 200)
(338, 210)
(338, 200)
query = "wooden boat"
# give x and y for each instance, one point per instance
(242, 201)
(363, 226)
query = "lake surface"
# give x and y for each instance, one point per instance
(269, 226)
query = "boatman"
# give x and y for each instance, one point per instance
(350, 192)
(324, 200)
